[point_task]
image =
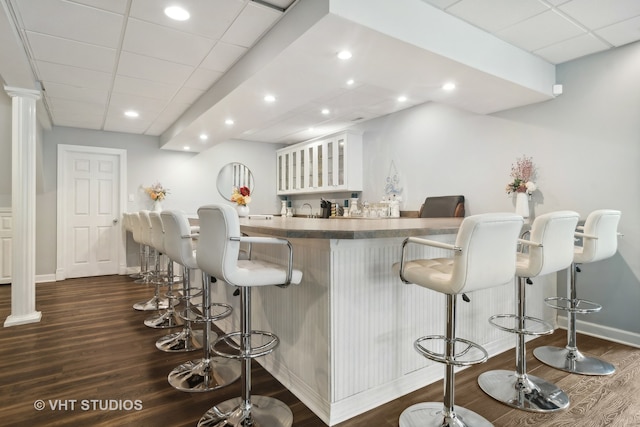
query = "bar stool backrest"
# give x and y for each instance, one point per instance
(554, 233)
(177, 238)
(217, 254)
(136, 231)
(157, 231)
(488, 255)
(603, 224)
(145, 227)
(126, 223)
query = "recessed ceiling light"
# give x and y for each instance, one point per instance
(269, 98)
(204, 136)
(229, 122)
(186, 148)
(345, 54)
(402, 98)
(311, 129)
(131, 113)
(177, 13)
(325, 111)
(449, 86)
(350, 82)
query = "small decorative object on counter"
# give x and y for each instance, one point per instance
(283, 208)
(157, 193)
(523, 173)
(242, 197)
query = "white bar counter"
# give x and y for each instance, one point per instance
(347, 331)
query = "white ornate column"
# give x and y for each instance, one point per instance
(23, 206)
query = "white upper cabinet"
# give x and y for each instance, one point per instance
(330, 164)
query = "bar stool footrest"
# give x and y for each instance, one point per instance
(233, 349)
(475, 353)
(578, 306)
(532, 325)
(218, 311)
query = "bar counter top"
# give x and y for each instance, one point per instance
(349, 228)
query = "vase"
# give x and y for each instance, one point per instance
(243, 210)
(157, 206)
(522, 204)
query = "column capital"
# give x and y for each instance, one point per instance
(26, 93)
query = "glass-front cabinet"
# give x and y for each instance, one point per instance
(332, 163)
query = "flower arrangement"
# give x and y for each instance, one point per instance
(241, 196)
(157, 192)
(522, 172)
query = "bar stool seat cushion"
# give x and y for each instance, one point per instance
(473, 265)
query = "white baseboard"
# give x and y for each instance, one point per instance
(604, 332)
(42, 278)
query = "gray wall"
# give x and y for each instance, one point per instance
(585, 144)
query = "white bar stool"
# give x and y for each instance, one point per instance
(142, 235)
(550, 249)
(217, 255)
(168, 318)
(484, 256)
(599, 241)
(179, 248)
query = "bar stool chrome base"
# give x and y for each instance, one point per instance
(154, 304)
(165, 320)
(263, 412)
(202, 375)
(431, 414)
(528, 392)
(183, 341)
(573, 361)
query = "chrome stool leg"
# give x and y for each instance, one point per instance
(518, 389)
(156, 302)
(569, 358)
(169, 318)
(248, 410)
(187, 339)
(446, 414)
(208, 373)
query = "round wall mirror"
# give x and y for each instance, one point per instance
(233, 175)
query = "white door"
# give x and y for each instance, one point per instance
(89, 201)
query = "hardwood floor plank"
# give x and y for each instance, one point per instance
(91, 347)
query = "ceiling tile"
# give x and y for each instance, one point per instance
(117, 6)
(68, 106)
(120, 102)
(157, 70)
(116, 123)
(165, 43)
(597, 13)
(495, 15)
(76, 93)
(146, 88)
(222, 56)
(209, 18)
(50, 72)
(187, 96)
(202, 79)
(573, 48)
(621, 33)
(72, 21)
(69, 52)
(527, 34)
(253, 22)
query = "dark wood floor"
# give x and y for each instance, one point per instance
(91, 347)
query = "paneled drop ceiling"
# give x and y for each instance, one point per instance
(96, 59)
